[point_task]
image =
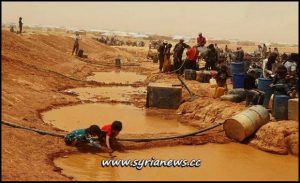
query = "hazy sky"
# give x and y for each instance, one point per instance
(257, 21)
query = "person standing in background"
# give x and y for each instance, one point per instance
(201, 40)
(76, 44)
(178, 51)
(161, 54)
(240, 54)
(20, 25)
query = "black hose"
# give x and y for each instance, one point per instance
(26, 128)
(119, 139)
(172, 137)
(185, 86)
(178, 68)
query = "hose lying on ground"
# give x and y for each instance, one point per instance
(119, 139)
(35, 130)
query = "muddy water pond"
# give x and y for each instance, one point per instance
(117, 93)
(135, 120)
(218, 162)
(117, 77)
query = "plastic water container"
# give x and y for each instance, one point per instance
(206, 76)
(189, 74)
(213, 83)
(263, 85)
(237, 68)
(219, 92)
(280, 107)
(238, 80)
(199, 76)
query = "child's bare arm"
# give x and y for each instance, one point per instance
(108, 143)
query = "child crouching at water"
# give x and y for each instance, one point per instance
(111, 132)
(87, 136)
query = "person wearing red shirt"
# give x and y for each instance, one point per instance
(111, 132)
(191, 60)
(201, 41)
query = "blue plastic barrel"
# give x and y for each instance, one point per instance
(238, 80)
(280, 107)
(237, 67)
(263, 85)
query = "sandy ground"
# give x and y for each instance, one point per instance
(37, 67)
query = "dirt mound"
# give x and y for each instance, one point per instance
(278, 137)
(204, 111)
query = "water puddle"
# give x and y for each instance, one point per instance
(135, 120)
(117, 77)
(218, 162)
(118, 93)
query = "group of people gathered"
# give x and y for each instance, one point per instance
(192, 54)
(281, 69)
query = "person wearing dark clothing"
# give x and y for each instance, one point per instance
(211, 58)
(281, 84)
(20, 25)
(161, 54)
(76, 44)
(178, 52)
(222, 76)
(239, 54)
(253, 95)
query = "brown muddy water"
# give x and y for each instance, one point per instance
(117, 77)
(218, 162)
(135, 120)
(117, 93)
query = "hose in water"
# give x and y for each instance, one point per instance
(172, 137)
(119, 139)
